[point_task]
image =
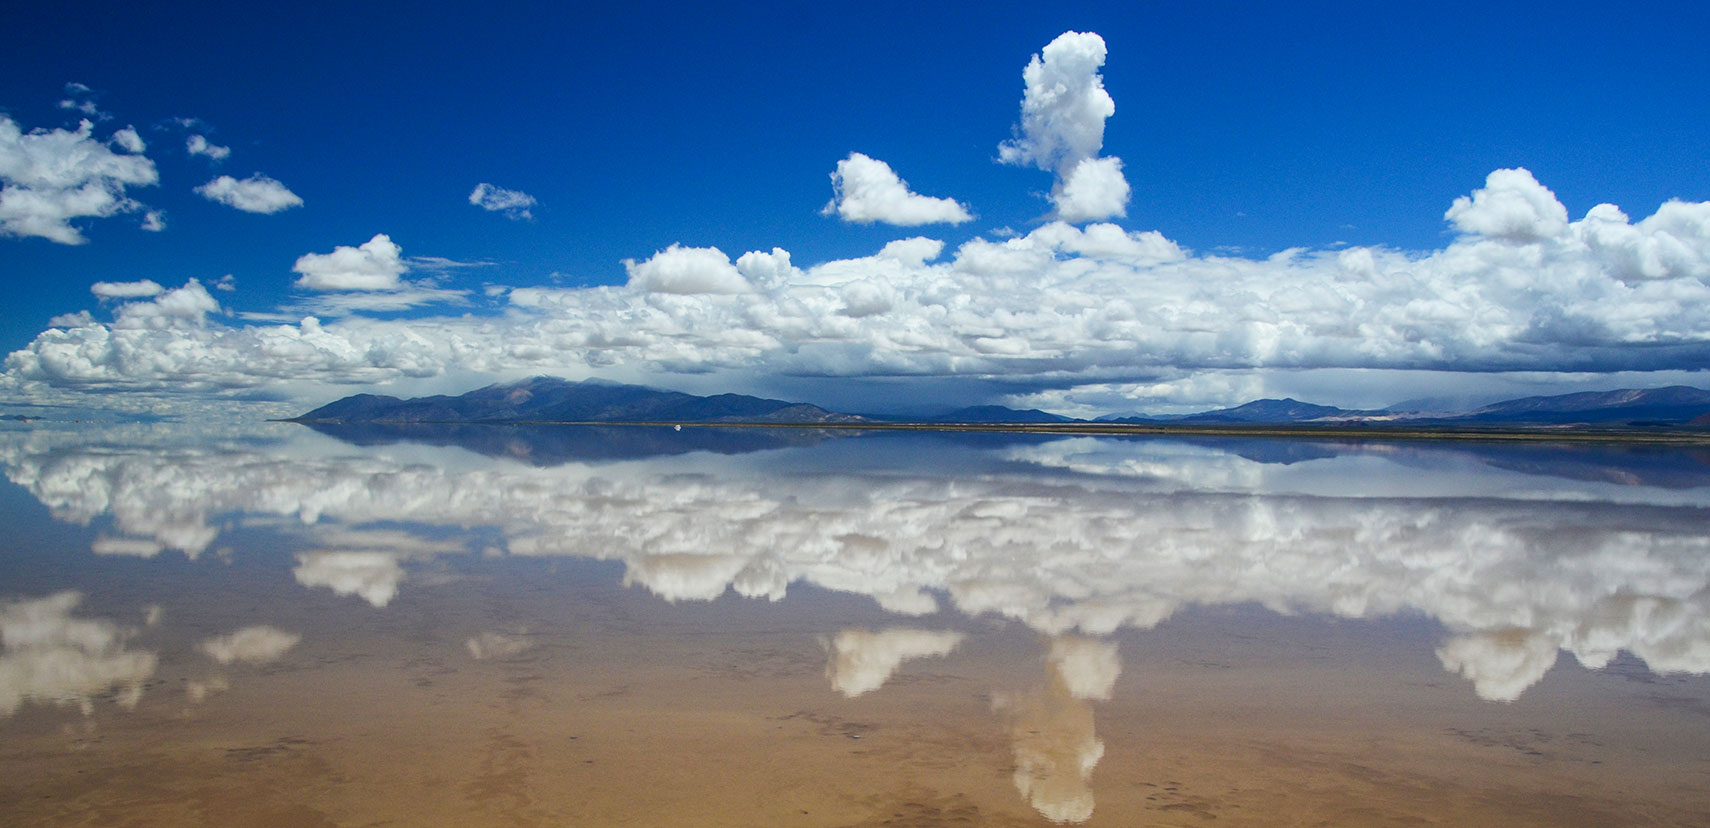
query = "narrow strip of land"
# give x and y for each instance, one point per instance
(1285, 430)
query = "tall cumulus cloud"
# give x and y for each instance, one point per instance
(1063, 109)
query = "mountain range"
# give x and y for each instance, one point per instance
(548, 399)
(553, 400)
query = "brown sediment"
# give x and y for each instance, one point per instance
(698, 723)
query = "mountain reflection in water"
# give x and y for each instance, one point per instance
(1517, 553)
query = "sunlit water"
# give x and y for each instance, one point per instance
(269, 625)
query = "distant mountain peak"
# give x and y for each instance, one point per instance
(1285, 410)
(999, 414)
(551, 399)
(1621, 397)
(1675, 404)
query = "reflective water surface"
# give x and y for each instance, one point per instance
(271, 625)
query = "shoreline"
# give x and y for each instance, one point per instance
(1538, 434)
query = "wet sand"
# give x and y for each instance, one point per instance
(480, 703)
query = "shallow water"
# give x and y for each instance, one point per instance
(270, 625)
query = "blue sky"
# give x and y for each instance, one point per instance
(1242, 131)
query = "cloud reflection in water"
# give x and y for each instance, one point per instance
(52, 657)
(372, 575)
(862, 661)
(255, 645)
(1051, 729)
(1081, 535)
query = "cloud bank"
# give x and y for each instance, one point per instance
(866, 190)
(1518, 289)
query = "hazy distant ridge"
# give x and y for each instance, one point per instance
(1286, 410)
(1672, 404)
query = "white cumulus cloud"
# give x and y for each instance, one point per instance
(513, 203)
(366, 278)
(866, 190)
(1093, 190)
(1674, 243)
(128, 140)
(1064, 104)
(127, 290)
(80, 98)
(255, 194)
(1063, 109)
(175, 309)
(199, 145)
(49, 178)
(374, 265)
(687, 270)
(1512, 206)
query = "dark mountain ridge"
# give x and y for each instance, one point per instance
(999, 414)
(548, 399)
